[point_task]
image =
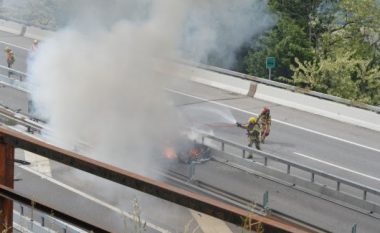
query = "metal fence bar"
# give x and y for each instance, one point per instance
(159, 189)
(289, 164)
(21, 74)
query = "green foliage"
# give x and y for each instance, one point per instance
(284, 42)
(344, 76)
(347, 58)
(330, 46)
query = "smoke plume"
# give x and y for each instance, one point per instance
(215, 29)
(96, 82)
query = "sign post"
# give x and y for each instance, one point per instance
(270, 63)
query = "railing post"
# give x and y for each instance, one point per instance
(265, 161)
(222, 146)
(365, 195)
(42, 221)
(338, 186)
(243, 154)
(288, 169)
(6, 179)
(312, 177)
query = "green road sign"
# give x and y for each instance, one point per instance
(270, 62)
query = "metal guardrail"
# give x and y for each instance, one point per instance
(313, 172)
(286, 86)
(21, 119)
(14, 73)
(13, 78)
(9, 193)
(42, 223)
(223, 211)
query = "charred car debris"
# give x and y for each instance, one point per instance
(188, 151)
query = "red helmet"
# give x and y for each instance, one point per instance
(266, 109)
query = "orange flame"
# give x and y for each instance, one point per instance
(195, 152)
(169, 153)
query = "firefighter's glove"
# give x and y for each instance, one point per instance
(238, 124)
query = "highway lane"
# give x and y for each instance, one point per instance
(353, 154)
(20, 46)
(308, 208)
(86, 207)
(100, 197)
(312, 209)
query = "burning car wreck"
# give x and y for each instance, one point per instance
(188, 151)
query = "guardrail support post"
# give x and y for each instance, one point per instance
(365, 195)
(354, 228)
(312, 177)
(6, 179)
(338, 186)
(266, 201)
(222, 146)
(288, 169)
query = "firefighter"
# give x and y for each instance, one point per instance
(35, 45)
(253, 131)
(265, 121)
(10, 59)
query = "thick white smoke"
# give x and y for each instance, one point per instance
(100, 87)
(97, 83)
(216, 29)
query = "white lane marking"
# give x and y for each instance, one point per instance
(337, 166)
(13, 45)
(278, 121)
(91, 198)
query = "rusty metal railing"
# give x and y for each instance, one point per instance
(159, 189)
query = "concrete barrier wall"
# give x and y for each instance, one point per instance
(221, 81)
(10, 27)
(337, 111)
(37, 33)
(299, 101)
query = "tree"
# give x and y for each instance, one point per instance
(347, 58)
(303, 12)
(295, 35)
(340, 77)
(285, 41)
